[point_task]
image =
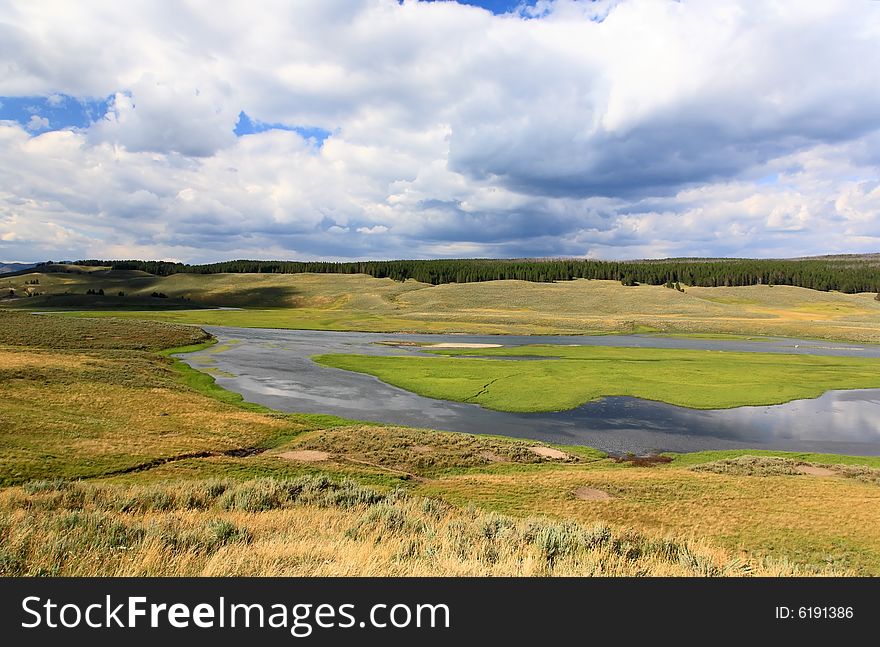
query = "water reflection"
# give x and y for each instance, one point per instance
(272, 367)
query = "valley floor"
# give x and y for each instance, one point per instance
(117, 460)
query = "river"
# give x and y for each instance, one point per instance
(272, 367)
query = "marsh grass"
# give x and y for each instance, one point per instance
(859, 473)
(781, 466)
(319, 526)
(564, 377)
(753, 466)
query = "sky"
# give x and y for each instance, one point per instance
(372, 129)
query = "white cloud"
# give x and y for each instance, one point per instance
(633, 128)
(37, 122)
(375, 229)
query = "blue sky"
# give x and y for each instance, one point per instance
(382, 129)
(39, 114)
(248, 126)
(497, 6)
(53, 112)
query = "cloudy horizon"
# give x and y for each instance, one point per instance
(375, 129)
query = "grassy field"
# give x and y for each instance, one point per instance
(360, 302)
(573, 375)
(314, 526)
(117, 460)
(80, 399)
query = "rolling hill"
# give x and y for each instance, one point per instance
(362, 302)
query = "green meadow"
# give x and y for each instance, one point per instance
(573, 375)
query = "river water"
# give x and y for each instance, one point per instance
(272, 367)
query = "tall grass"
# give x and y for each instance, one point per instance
(318, 526)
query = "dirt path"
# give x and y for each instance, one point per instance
(814, 470)
(591, 494)
(306, 455)
(548, 452)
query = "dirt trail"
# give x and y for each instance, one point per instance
(548, 452)
(591, 494)
(306, 455)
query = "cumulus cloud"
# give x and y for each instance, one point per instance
(617, 128)
(37, 122)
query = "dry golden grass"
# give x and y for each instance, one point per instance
(581, 305)
(806, 519)
(17, 360)
(313, 527)
(22, 329)
(86, 413)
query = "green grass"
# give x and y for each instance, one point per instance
(691, 378)
(698, 458)
(713, 336)
(282, 318)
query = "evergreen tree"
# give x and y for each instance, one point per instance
(844, 275)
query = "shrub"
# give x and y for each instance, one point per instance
(752, 466)
(559, 540)
(160, 500)
(256, 496)
(224, 532)
(350, 494)
(55, 485)
(859, 472)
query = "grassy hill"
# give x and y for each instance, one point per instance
(360, 302)
(5, 268)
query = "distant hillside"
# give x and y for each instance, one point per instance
(842, 259)
(844, 273)
(5, 268)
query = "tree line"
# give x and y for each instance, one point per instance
(817, 274)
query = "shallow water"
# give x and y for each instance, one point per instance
(272, 367)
